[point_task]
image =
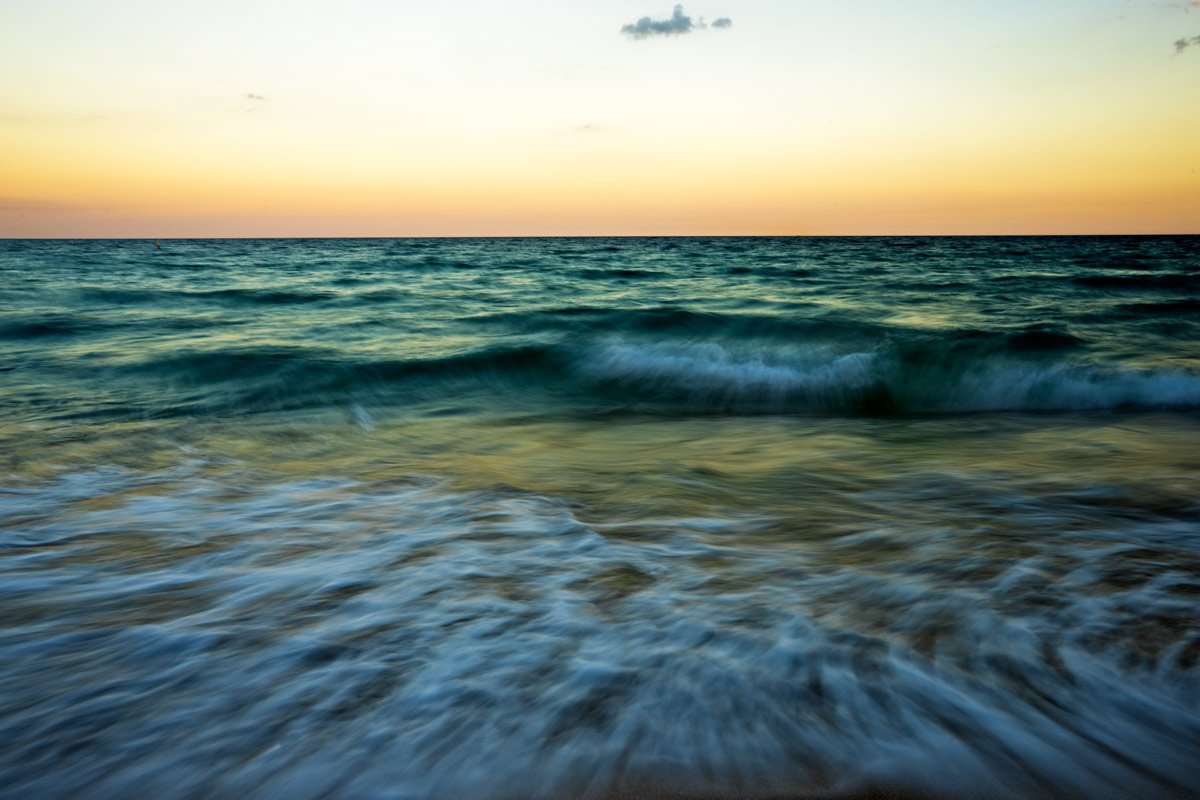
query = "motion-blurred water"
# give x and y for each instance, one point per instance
(558, 518)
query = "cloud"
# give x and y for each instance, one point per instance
(1187, 7)
(1184, 44)
(679, 23)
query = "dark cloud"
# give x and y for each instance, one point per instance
(253, 96)
(644, 27)
(679, 23)
(1184, 44)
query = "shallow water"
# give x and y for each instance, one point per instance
(600, 517)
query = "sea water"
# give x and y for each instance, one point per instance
(589, 518)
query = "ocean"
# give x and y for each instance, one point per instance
(600, 518)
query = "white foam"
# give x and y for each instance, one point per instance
(794, 379)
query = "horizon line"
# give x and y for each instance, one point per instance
(602, 236)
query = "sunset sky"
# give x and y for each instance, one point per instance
(372, 118)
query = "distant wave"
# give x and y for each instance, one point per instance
(231, 295)
(1173, 307)
(1189, 283)
(681, 323)
(34, 326)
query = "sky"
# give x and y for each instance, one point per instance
(139, 118)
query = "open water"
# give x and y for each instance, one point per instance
(600, 518)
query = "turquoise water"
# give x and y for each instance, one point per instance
(526, 518)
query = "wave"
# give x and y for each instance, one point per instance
(771, 271)
(674, 322)
(616, 272)
(966, 373)
(1170, 307)
(36, 326)
(235, 295)
(1173, 282)
(253, 380)
(710, 376)
(54, 326)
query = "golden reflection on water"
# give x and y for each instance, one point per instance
(812, 477)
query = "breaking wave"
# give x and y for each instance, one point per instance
(703, 377)
(720, 378)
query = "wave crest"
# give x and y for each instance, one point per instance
(711, 376)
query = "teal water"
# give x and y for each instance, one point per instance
(551, 518)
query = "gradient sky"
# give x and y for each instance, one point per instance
(536, 117)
